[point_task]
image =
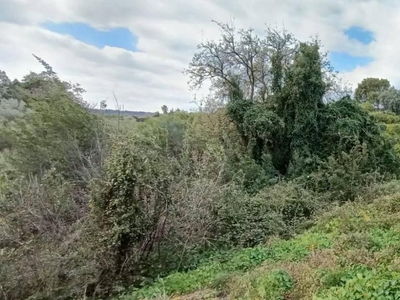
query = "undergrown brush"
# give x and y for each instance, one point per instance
(351, 253)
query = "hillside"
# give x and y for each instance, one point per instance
(115, 112)
(350, 253)
(267, 192)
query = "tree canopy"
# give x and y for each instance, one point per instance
(369, 89)
(277, 89)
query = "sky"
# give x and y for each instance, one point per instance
(138, 50)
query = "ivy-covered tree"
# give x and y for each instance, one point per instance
(288, 123)
(291, 123)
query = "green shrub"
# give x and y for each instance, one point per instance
(279, 210)
(253, 177)
(169, 132)
(246, 221)
(344, 177)
(295, 204)
(130, 202)
(154, 201)
(369, 284)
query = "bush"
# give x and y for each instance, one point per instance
(344, 177)
(43, 253)
(244, 221)
(279, 210)
(296, 205)
(131, 203)
(153, 203)
(169, 132)
(55, 148)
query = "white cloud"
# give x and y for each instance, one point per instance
(168, 33)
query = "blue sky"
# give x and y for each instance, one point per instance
(345, 62)
(123, 38)
(360, 34)
(115, 37)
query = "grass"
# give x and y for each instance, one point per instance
(216, 272)
(352, 252)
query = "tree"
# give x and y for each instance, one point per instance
(257, 64)
(301, 104)
(103, 104)
(242, 55)
(369, 90)
(288, 123)
(5, 84)
(164, 109)
(276, 89)
(49, 69)
(390, 100)
(59, 130)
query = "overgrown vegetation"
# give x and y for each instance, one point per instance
(92, 206)
(351, 253)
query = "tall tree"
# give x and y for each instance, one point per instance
(243, 55)
(288, 123)
(276, 89)
(304, 91)
(369, 90)
(164, 109)
(390, 100)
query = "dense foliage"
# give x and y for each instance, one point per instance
(351, 253)
(91, 206)
(378, 93)
(298, 130)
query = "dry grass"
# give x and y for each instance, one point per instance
(206, 294)
(305, 274)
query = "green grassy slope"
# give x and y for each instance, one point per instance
(352, 252)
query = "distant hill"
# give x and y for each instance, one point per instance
(114, 112)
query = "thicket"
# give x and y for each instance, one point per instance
(87, 209)
(350, 253)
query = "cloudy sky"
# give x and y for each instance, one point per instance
(138, 49)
